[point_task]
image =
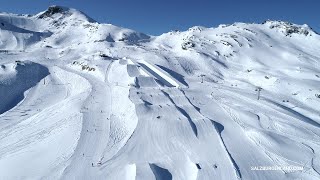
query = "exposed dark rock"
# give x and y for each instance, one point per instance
(51, 11)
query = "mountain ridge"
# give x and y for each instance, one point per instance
(56, 9)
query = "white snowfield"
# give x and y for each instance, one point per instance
(84, 100)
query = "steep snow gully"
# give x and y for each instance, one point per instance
(84, 100)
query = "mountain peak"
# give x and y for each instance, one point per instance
(53, 10)
(58, 11)
(289, 28)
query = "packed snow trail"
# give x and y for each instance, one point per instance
(94, 134)
(34, 130)
(154, 128)
(123, 120)
(249, 132)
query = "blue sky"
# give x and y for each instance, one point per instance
(158, 16)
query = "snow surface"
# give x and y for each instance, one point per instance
(83, 100)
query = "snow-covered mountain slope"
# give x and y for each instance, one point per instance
(84, 100)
